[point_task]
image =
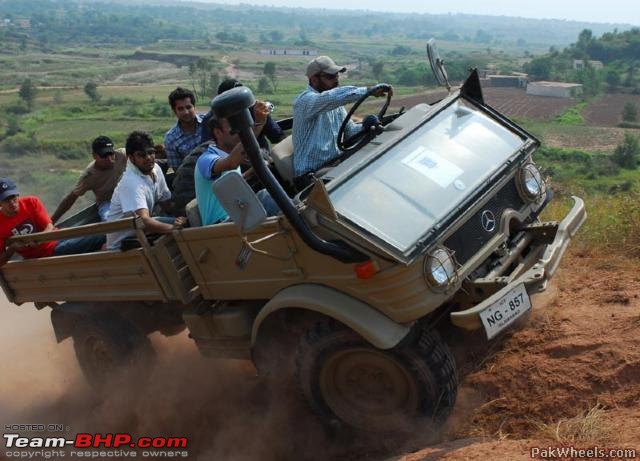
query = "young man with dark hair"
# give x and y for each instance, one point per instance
(142, 186)
(100, 177)
(27, 215)
(185, 134)
(225, 155)
(318, 113)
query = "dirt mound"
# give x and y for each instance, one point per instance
(571, 377)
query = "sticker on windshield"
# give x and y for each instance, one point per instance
(433, 166)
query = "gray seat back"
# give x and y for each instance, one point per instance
(282, 155)
(193, 213)
(239, 200)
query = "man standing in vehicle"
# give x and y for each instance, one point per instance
(184, 136)
(142, 186)
(318, 115)
(100, 177)
(27, 215)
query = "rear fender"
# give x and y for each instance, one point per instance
(373, 326)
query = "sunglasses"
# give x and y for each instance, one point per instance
(107, 154)
(329, 76)
(150, 152)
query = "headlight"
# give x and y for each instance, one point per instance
(530, 183)
(440, 269)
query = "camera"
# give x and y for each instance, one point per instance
(270, 106)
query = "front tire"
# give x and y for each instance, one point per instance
(348, 381)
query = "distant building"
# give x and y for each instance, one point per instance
(578, 64)
(511, 81)
(289, 52)
(23, 23)
(554, 89)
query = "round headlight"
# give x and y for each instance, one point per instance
(440, 268)
(531, 184)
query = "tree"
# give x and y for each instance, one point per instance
(377, 69)
(28, 92)
(626, 154)
(203, 81)
(91, 90)
(270, 71)
(630, 112)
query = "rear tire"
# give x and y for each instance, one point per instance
(349, 382)
(109, 347)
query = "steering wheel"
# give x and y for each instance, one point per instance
(371, 125)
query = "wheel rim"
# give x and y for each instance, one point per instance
(100, 361)
(369, 389)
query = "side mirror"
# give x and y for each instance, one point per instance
(239, 200)
(437, 64)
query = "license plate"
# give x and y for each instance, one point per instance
(505, 310)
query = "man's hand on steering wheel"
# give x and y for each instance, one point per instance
(371, 128)
(380, 90)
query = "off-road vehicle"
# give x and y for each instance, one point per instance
(430, 216)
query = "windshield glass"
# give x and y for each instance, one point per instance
(403, 193)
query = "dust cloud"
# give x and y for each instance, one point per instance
(221, 406)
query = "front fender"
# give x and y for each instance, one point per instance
(369, 323)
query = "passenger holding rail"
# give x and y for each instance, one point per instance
(100, 177)
(141, 187)
(27, 215)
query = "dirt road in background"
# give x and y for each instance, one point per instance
(571, 377)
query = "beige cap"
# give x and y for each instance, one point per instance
(323, 64)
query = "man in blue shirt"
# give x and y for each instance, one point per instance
(318, 115)
(226, 154)
(184, 136)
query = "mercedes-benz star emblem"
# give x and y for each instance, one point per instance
(488, 221)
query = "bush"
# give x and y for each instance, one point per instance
(630, 112)
(626, 154)
(20, 144)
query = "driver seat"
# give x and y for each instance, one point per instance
(282, 155)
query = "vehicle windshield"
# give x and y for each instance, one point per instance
(403, 193)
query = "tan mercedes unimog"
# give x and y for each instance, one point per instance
(429, 218)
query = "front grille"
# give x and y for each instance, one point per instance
(471, 236)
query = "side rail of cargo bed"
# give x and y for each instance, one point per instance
(153, 272)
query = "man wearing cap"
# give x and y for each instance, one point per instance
(27, 215)
(318, 114)
(100, 177)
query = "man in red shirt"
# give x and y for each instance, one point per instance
(27, 215)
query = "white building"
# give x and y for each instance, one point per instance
(578, 64)
(554, 89)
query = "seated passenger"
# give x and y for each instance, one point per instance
(142, 186)
(27, 215)
(227, 154)
(100, 177)
(271, 130)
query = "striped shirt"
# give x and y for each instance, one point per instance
(316, 121)
(178, 144)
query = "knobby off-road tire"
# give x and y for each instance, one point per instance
(348, 382)
(110, 349)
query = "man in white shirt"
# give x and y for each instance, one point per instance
(142, 186)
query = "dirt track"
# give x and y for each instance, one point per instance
(579, 352)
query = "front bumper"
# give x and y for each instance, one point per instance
(536, 277)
